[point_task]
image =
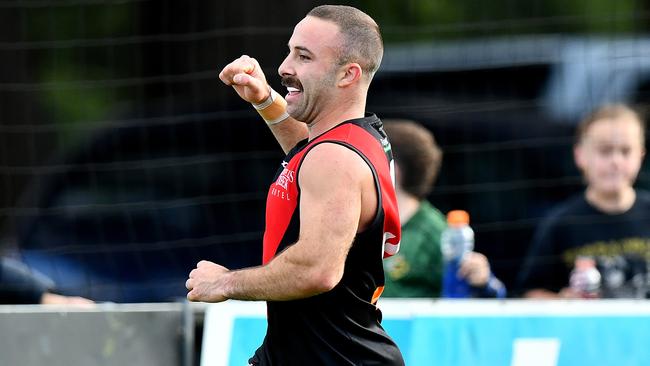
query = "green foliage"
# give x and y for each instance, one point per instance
(73, 106)
(601, 16)
(63, 29)
(65, 66)
(76, 22)
(418, 19)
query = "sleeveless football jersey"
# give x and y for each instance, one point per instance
(341, 326)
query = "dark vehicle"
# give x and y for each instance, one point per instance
(126, 216)
(504, 111)
(132, 211)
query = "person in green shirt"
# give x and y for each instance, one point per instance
(416, 270)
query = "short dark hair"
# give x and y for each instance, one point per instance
(362, 42)
(417, 154)
(609, 111)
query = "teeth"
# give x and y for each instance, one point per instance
(292, 89)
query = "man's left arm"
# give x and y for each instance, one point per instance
(331, 180)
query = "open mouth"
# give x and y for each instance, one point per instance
(294, 88)
(293, 94)
(293, 91)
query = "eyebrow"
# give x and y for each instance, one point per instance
(301, 48)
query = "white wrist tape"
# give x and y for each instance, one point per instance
(274, 109)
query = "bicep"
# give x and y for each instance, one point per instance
(330, 205)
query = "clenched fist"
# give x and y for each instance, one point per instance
(207, 282)
(246, 77)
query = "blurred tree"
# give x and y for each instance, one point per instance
(93, 56)
(417, 19)
(75, 55)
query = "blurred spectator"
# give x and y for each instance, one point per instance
(20, 285)
(607, 225)
(416, 270)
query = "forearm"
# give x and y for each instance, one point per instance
(284, 278)
(540, 293)
(20, 285)
(247, 79)
(289, 132)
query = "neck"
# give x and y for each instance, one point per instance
(612, 203)
(408, 206)
(338, 112)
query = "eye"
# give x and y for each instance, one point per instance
(605, 150)
(626, 151)
(303, 57)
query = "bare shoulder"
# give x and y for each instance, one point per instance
(336, 181)
(328, 161)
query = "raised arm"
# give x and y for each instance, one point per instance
(332, 179)
(247, 78)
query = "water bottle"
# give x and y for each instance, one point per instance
(585, 278)
(456, 240)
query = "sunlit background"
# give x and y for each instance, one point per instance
(124, 160)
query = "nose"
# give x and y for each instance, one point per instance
(618, 157)
(285, 68)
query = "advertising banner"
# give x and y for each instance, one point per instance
(470, 332)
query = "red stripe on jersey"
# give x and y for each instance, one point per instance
(284, 193)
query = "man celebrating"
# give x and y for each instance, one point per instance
(331, 213)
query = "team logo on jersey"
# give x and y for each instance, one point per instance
(286, 177)
(391, 246)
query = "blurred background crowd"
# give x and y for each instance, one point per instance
(124, 161)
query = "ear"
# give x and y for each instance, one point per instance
(578, 156)
(350, 74)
